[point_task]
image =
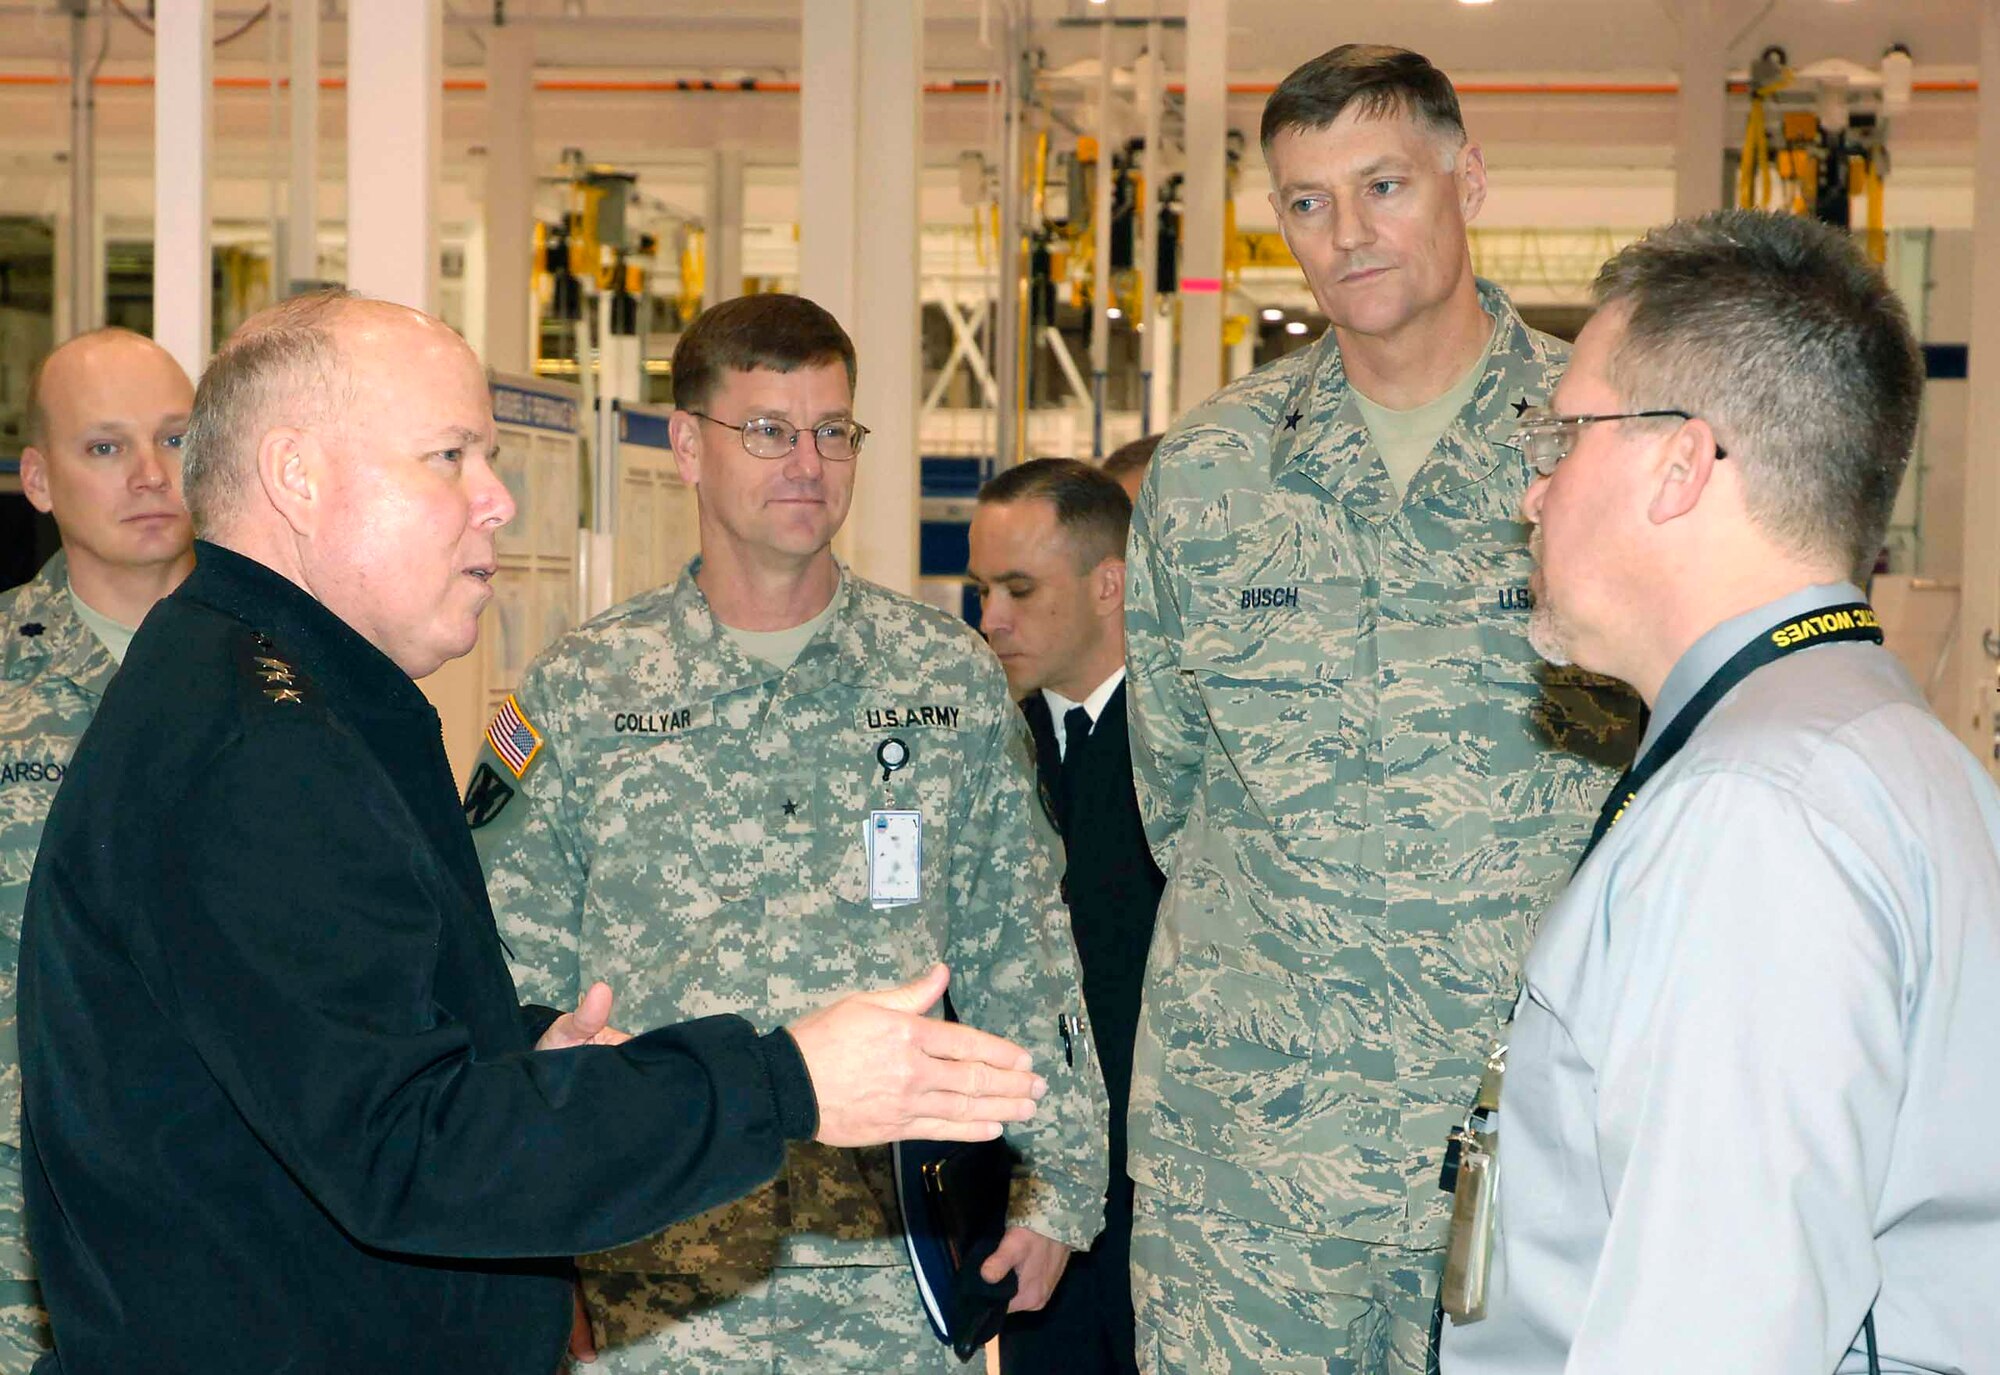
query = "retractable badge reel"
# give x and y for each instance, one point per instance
(894, 841)
(892, 754)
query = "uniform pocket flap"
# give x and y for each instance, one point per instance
(1505, 655)
(1278, 632)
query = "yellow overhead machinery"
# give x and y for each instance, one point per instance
(1818, 139)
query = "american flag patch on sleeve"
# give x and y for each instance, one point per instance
(512, 737)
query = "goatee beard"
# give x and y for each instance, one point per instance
(1545, 630)
(1545, 634)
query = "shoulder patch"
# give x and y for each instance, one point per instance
(485, 797)
(514, 737)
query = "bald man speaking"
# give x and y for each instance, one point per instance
(106, 415)
(282, 1109)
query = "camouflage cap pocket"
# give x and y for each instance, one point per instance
(1277, 632)
(1274, 677)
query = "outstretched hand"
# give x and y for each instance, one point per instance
(882, 1071)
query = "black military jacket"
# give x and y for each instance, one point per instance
(281, 1111)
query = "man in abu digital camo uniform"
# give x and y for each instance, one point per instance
(106, 414)
(679, 798)
(1359, 783)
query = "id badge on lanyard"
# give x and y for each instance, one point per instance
(1472, 1177)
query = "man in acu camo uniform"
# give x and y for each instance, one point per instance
(105, 416)
(767, 781)
(1357, 780)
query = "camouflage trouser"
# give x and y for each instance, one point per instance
(769, 1322)
(1218, 1295)
(24, 1323)
(24, 1326)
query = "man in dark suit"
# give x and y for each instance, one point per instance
(1048, 558)
(282, 1108)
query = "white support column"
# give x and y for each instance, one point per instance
(1102, 296)
(1160, 410)
(182, 120)
(725, 226)
(1206, 185)
(302, 222)
(1156, 353)
(86, 276)
(887, 334)
(1972, 713)
(1010, 320)
(1703, 107)
(509, 209)
(395, 87)
(829, 192)
(62, 308)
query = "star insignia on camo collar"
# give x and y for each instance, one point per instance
(1292, 420)
(33, 628)
(791, 807)
(1522, 407)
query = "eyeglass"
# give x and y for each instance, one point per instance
(1546, 437)
(838, 441)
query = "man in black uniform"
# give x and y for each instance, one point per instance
(282, 1108)
(1048, 558)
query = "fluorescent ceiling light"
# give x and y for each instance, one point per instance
(1296, 327)
(1273, 313)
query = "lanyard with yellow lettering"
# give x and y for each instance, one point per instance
(1847, 621)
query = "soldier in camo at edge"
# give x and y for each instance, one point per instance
(1359, 784)
(106, 414)
(762, 782)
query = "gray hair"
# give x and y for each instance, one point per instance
(283, 367)
(1779, 333)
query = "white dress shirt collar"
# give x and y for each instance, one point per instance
(1061, 706)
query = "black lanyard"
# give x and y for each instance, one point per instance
(1847, 621)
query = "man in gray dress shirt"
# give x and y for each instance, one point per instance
(1751, 1084)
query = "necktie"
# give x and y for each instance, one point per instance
(1076, 729)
